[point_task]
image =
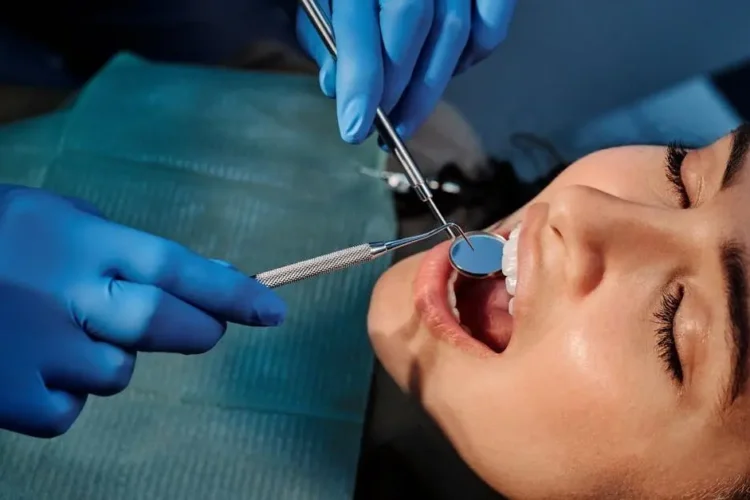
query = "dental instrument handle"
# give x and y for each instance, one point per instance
(342, 259)
(382, 123)
(323, 264)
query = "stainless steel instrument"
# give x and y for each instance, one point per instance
(342, 259)
(385, 128)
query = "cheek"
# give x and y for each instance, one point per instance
(562, 404)
(392, 320)
(571, 375)
(595, 355)
(541, 421)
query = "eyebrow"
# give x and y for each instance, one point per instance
(735, 280)
(737, 155)
(733, 259)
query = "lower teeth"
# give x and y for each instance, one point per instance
(452, 295)
(456, 314)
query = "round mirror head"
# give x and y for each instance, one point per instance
(484, 261)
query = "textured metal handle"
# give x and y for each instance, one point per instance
(323, 264)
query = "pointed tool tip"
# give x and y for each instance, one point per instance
(463, 235)
(468, 242)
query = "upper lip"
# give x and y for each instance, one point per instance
(431, 298)
(527, 263)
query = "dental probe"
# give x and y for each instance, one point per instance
(342, 259)
(384, 126)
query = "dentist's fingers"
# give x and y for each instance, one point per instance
(359, 69)
(310, 41)
(400, 55)
(85, 206)
(220, 291)
(146, 318)
(440, 55)
(52, 411)
(404, 26)
(90, 367)
(490, 23)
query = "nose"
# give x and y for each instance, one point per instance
(602, 233)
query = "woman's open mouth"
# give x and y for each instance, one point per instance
(471, 314)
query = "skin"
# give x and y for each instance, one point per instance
(580, 404)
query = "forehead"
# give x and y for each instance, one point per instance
(638, 174)
(733, 213)
(727, 207)
(634, 173)
(612, 165)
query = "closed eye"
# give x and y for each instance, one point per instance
(676, 154)
(666, 343)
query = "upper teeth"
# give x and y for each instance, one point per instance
(510, 270)
(452, 295)
(510, 264)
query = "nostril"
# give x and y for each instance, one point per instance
(573, 211)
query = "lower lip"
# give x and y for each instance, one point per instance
(431, 297)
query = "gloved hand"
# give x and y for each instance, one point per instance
(79, 295)
(399, 55)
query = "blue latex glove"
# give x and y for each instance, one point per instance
(400, 55)
(80, 295)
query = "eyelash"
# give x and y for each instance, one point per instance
(676, 154)
(665, 340)
(671, 300)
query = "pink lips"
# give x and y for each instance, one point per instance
(483, 306)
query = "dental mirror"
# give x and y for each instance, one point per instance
(486, 260)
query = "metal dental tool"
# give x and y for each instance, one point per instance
(484, 260)
(385, 128)
(342, 259)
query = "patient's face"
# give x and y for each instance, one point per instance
(624, 362)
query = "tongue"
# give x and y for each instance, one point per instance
(483, 306)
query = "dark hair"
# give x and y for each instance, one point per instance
(738, 490)
(734, 489)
